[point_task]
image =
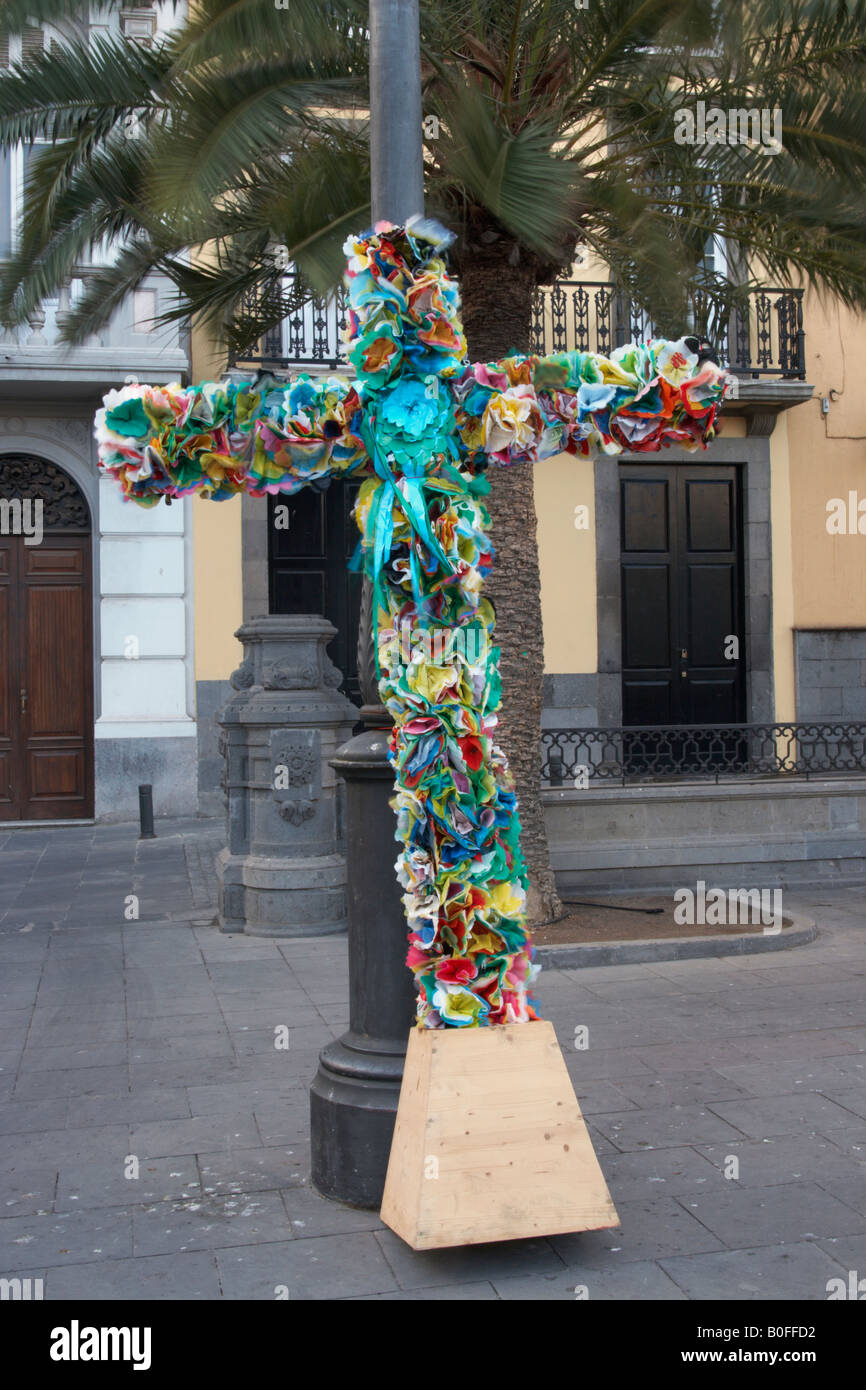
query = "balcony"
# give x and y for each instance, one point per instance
(587, 315)
(33, 361)
(766, 339)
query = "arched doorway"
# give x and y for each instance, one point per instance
(46, 643)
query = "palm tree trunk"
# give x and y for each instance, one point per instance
(497, 317)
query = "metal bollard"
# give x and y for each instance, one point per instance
(145, 812)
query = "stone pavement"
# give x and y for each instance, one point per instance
(148, 1045)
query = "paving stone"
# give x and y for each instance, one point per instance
(64, 1237)
(600, 1098)
(851, 1191)
(775, 1115)
(785, 1212)
(681, 1088)
(285, 1122)
(307, 1040)
(692, 1056)
(162, 1004)
(850, 1253)
(312, 1215)
(190, 1047)
(181, 1278)
(424, 1268)
(271, 1006)
(133, 1108)
(247, 1170)
(105, 1184)
(234, 1096)
(656, 1173)
(851, 1142)
(809, 1044)
(42, 1057)
(209, 1222)
(797, 1272)
(772, 1079)
(801, 1157)
(660, 1128)
(602, 1064)
(22, 1117)
(639, 1281)
(81, 1033)
(460, 1293)
(329, 1267)
(177, 1026)
(202, 1133)
(26, 1188)
(96, 1143)
(852, 1100)
(148, 1076)
(648, 1230)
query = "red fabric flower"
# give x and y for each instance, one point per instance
(473, 752)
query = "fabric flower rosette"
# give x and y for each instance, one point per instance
(422, 424)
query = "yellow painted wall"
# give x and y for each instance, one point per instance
(782, 561)
(827, 460)
(218, 591)
(217, 555)
(567, 562)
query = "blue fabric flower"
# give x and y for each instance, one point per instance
(592, 398)
(413, 409)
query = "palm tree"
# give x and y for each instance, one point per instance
(546, 124)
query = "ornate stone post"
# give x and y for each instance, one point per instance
(283, 872)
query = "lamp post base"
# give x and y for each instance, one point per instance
(354, 1096)
(353, 1109)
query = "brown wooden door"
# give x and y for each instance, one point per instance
(46, 677)
(9, 741)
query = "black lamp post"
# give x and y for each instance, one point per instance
(353, 1098)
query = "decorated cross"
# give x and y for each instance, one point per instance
(421, 425)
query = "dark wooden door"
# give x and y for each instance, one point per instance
(9, 738)
(683, 640)
(309, 546)
(46, 652)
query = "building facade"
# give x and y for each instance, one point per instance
(704, 616)
(681, 595)
(97, 676)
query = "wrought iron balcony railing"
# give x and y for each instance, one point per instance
(586, 315)
(584, 757)
(765, 338)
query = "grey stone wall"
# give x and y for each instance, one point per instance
(830, 673)
(211, 697)
(122, 764)
(733, 835)
(570, 701)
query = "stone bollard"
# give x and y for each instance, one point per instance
(283, 872)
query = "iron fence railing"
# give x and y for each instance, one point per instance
(309, 336)
(765, 338)
(582, 757)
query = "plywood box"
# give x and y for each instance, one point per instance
(490, 1143)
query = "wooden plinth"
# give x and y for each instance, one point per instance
(490, 1143)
